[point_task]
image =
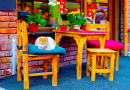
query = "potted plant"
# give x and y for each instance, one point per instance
(83, 23)
(54, 11)
(34, 18)
(75, 19)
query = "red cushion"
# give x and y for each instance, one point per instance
(114, 45)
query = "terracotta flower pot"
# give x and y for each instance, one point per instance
(33, 27)
(84, 27)
(62, 27)
(76, 26)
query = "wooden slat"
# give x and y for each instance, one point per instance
(30, 67)
(41, 74)
(97, 25)
(39, 57)
(100, 50)
(93, 27)
(102, 70)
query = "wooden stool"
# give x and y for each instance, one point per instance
(100, 69)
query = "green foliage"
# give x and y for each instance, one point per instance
(83, 19)
(36, 17)
(75, 18)
(44, 8)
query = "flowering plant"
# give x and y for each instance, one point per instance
(54, 10)
(36, 17)
(76, 18)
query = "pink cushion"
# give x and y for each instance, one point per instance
(114, 45)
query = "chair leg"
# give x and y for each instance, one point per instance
(88, 64)
(54, 70)
(93, 67)
(111, 67)
(117, 60)
(19, 74)
(105, 64)
(25, 71)
(44, 68)
(58, 63)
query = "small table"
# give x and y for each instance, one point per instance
(80, 37)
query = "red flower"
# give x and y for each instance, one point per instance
(29, 11)
(47, 13)
(36, 10)
(44, 16)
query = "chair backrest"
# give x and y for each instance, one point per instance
(22, 37)
(102, 27)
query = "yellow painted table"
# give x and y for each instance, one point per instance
(80, 37)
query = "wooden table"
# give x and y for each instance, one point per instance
(80, 37)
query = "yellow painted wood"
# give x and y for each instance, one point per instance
(25, 71)
(80, 39)
(54, 70)
(57, 40)
(88, 64)
(105, 64)
(39, 57)
(117, 60)
(45, 68)
(103, 68)
(93, 67)
(97, 50)
(19, 74)
(22, 40)
(111, 67)
(31, 67)
(41, 74)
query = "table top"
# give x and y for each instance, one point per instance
(80, 32)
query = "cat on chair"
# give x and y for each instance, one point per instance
(45, 43)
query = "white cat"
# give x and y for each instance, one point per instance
(45, 43)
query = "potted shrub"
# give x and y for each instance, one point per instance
(83, 23)
(75, 19)
(35, 18)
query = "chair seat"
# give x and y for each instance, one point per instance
(32, 49)
(110, 44)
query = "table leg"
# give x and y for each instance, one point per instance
(102, 41)
(80, 42)
(79, 61)
(58, 37)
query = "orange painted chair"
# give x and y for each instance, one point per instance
(31, 52)
(110, 44)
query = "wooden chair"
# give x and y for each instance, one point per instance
(94, 67)
(30, 52)
(110, 44)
